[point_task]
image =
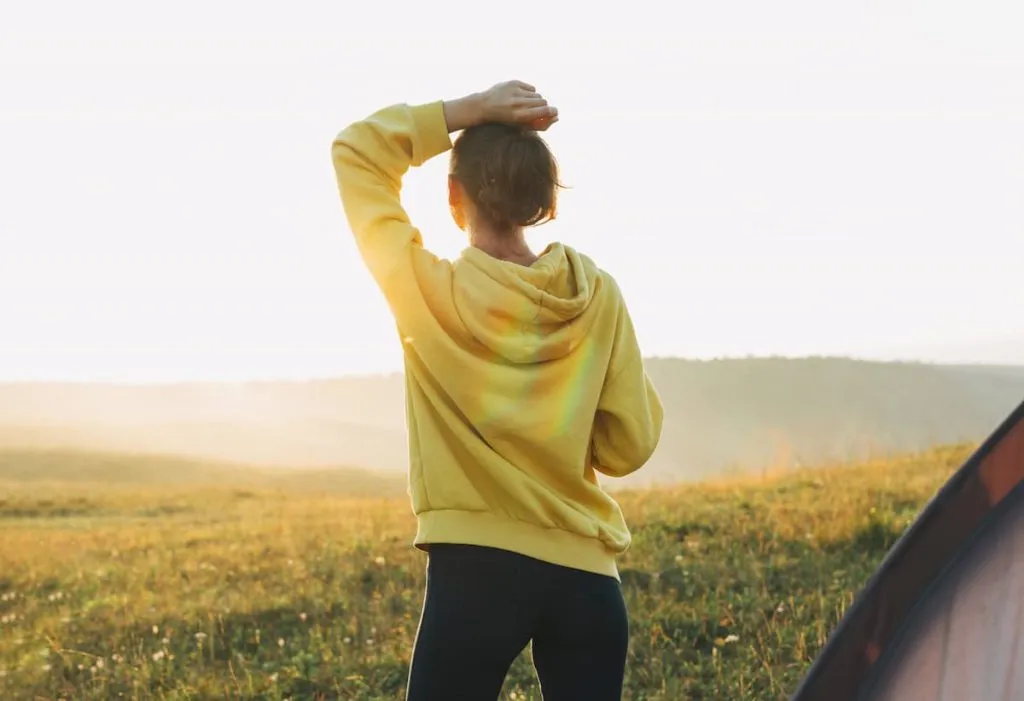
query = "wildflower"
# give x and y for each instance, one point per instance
(379, 561)
(166, 641)
(200, 637)
(732, 639)
(280, 642)
(156, 630)
(369, 641)
(679, 558)
(347, 641)
(100, 663)
(273, 678)
(302, 617)
(781, 608)
(157, 656)
(47, 668)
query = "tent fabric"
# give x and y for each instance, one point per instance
(942, 617)
(966, 639)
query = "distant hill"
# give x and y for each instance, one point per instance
(351, 421)
(127, 469)
(289, 442)
(731, 415)
(721, 415)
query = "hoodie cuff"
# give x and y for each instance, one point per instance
(432, 137)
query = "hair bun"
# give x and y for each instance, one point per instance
(509, 173)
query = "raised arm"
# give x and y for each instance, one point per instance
(370, 158)
(372, 155)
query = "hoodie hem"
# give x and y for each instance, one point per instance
(552, 545)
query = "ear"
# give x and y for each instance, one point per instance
(456, 200)
(454, 192)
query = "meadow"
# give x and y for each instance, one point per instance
(171, 591)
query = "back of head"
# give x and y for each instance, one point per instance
(509, 174)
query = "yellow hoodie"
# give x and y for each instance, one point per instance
(521, 382)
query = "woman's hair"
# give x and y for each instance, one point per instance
(509, 173)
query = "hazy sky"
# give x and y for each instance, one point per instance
(762, 178)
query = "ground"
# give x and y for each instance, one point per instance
(110, 592)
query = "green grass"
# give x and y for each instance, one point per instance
(220, 592)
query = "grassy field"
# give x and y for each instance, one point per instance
(223, 592)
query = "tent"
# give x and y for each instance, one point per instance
(942, 618)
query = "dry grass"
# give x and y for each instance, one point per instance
(220, 592)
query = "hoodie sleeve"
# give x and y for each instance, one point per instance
(370, 157)
(628, 423)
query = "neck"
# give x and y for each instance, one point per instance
(511, 247)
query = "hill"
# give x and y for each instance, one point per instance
(732, 586)
(41, 469)
(722, 416)
(734, 415)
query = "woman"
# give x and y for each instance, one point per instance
(523, 380)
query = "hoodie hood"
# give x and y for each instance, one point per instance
(527, 314)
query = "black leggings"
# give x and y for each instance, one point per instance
(483, 606)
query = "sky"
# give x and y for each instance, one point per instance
(788, 178)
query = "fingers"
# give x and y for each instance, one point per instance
(548, 122)
(530, 101)
(538, 112)
(543, 124)
(527, 92)
(523, 104)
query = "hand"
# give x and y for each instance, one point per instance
(511, 102)
(516, 102)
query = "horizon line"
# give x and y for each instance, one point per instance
(399, 372)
